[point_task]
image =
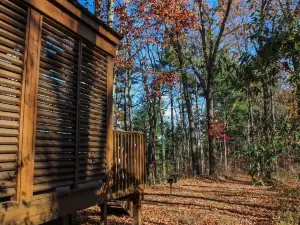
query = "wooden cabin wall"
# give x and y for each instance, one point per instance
(56, 101)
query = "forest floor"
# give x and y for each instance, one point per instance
(205, 201)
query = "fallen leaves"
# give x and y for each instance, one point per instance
(202, 201)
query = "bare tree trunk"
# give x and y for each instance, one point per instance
(189, 109)
(162, 133)
(198, 132)
(98, 8)
(125, 102)
(110, 12)
(129, 97)
(212, 152)
(173, 131)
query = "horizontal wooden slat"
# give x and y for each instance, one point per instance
(60, 32)
(91, 161)
(53, 157)
(11, 43)
(10, 67)
(92, 138)
(10, 83)
(8, 157)
(92, 167)
(92, 173)
(10, 75)
(91, 155)
(47, 179)
(8, 132)
(68, 92)
(56, 63)
(54, 128)
(7, 184)
(48, 66)
(56, 95)
(58, 51)
(54, 122)
(54, 81)
(14, 10)
(46, 172)
(53, 149)
(10, 91)
(7, 192)
(94, 52)
(91, 72)
(92, 133)
(58, 76)
(12, 29)
(8, 166)
(52, 164)
(90, 179)
(8, 99)
(11, 51)
(53, 101)
(56, 115)
(44, 187)
(47, 143)
(8, 140)
(6, 148)
(58, 108)
(53, 136)
(9, 124)
(57, 56)
(13, 21)
(90, 184)
(11, 36)
(7, 175)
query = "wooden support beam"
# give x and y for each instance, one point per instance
(76, 26)
(109, 134)
(137, 209)
(29, 106)
(78, 114)
(103, 214)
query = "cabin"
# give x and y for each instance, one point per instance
(58, 151)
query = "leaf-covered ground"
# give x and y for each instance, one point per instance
(202, 201)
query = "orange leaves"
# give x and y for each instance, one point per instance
(122, 62)
(168, 15)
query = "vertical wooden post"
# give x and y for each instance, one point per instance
(103, 216)
(137, 209)
(78, 114)
(109, 137)
(29, 107)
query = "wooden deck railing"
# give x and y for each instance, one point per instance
(129, 160)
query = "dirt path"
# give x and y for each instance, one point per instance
(202, 202)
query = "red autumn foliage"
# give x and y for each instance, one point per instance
(217, 130)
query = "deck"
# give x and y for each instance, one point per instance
(58, 150)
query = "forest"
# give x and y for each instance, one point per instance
(215, 85)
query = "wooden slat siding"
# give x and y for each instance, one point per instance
(138, 158)
(129, 149)
(78, 115)
(134, 159)
(124, 161)
(144, 159)
(131, 161)
(93, 113)
(76, 26)
(56, 119)
(119, 161)
(114, 165)
(29, 104)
